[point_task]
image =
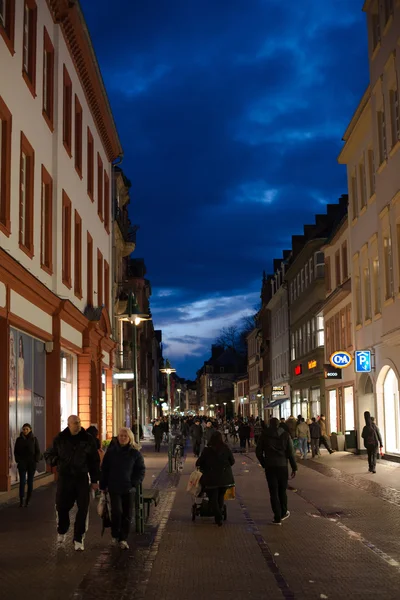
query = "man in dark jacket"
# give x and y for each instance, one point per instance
(315, 434)
(274, 449)
(196, 433)
(27, 455)
(158, 433)
(75, 455)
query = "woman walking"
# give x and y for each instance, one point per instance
(372, 439)
(122, 471)
(27, 455)
(215, 463)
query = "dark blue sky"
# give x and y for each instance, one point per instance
(231, 114)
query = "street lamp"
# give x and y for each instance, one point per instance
(135, 317)
(168, 370)
(179, 392)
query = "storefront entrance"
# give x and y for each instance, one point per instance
(392, 412)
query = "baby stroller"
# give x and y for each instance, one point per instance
(201, 507)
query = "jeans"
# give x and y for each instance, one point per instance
(315, 446)
(371, 451)
(23, 479)
(277, 478)
(122, 506)
(303, 446)
(72, 489)
(216, 499)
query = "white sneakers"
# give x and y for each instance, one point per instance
(286, 516)
(79, 545)
(124, 545)
(114, 542)
(60, 538)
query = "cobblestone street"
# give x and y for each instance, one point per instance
(341, 541)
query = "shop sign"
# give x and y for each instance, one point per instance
(298, 369)
(278, 390)
(341, 359)
(312, 364)
(332, 372)
(363, 361)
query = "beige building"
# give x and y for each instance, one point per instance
(371, 153)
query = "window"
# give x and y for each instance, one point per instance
(89, 262)
(320, 331)
(300, 334)
(78, 256)
(337, 269)
(306, 275)
(371, 172)
(343, 343)
(388, 265)
(387, 10)
(328, 340)
(26, 196)
(311, 269)
(375, 30)
(99, 187)
(90, 165)
(106, 202)
(328, 286)
(302, 280)
(394, 116)
(381, 135)
(367, 293)
(48, 79)
(358, 299)
(337, 332)
(377, 288)
(363, 185)
(66, 240)
(78, 136)
(345, 267)
(354, 195)
(5, 167)
(67, 111)
(319, 265)
(99, 278)
(309, 345)
(107, 289)
(7, 17)
(348, 326)
(46, 226)
(298, 284)
(29, 44)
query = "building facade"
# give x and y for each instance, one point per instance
(253, 368)
(58, 144)
(372, 141)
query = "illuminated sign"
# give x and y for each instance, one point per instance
(312, 364)
(278, 390)
(332, 372)
(340, 359)
(363, 361)
(298, 370)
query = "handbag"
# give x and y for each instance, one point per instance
(230, 493)
(193, 487)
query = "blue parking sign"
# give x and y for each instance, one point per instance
(363, 361)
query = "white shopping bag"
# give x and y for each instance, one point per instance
(194, 486)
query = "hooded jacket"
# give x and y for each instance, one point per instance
(315, 431)
(27, 451)
(275, 449)
(122, 469)
(216, 466)
(74, 455)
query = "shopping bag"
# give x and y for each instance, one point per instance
(101, 505)
(296, 444)
(194, 486)
(230, 493)
(106, 516)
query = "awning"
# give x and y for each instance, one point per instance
(277, 402)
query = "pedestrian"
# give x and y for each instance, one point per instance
(27, 455)
(216, 463)
(158, 433)
(292, 424)
(378, 454)
(315, 434)
(303, 435)
(372, 439)
(284, 425)
(122, 471)
(208, 432)
(226, 432)
(257, 430)
(324, 439)
(75, 455)
(244, 435)
(274, 450)
(196, 433)
(94, 432)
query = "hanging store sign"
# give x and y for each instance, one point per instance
(278, 390)
(341, 359)
(312, 364)
(332, 372)
(298, 369)
(363, 361)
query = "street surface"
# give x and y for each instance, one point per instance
(341, 541)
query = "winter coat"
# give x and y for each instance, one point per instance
(275, 449)
(322, 424)
(122, 470)
(27, 451)
(292, 424)
(257, 429)
(244, 431)
(185, 429)
(158, 432)
(315, 431)
(74, 455)
(371, 436)
(216, 466)
(196, 432)
(303, 431)
(208, 433)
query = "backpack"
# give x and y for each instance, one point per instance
(371, 438)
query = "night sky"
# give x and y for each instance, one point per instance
(231, 114)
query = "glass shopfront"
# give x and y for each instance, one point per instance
(27, 392)
(333, 410)
(315, 402)
(68, 400)
(349, 408)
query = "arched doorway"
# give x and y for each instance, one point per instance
(392, 412)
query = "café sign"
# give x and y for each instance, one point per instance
(312, 364)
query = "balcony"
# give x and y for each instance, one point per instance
(128, 230)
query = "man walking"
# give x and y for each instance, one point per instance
(75, 455)
(273, 451)
(325, 441)
(303, 435)
(315, 433)
(196, 433)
